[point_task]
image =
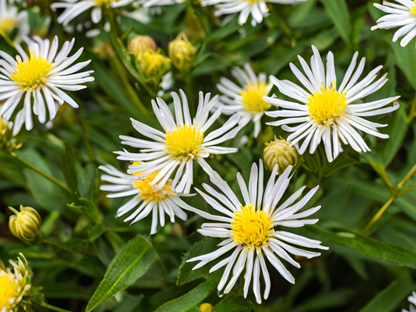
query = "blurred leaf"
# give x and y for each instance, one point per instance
(406, 60)
(126, 267)
(338, 11)
(233, 304)
(390, 297)
(68, 167)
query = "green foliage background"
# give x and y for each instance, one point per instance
(89, 248)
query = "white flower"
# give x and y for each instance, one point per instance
(183, 141)
(401, 14)
(146, 198)
(248, 229)
(73, 8)
(245, 99)
(412, 300)
(11, 18)
(257, 8)
(326, 112)
(39, 78)
(157, 3)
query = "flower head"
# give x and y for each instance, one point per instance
(182, 53)
(245, 99)
(183, 141)
(153, 65)
(158, 3)
(77, 7)
(11, 18)
(8, 141)
(253, 230)
(140, 44)
(39, 79)
(327, 112)
(412, 301)
(146, 198)
(257, 8)
(25, 224)
(401, 14)
(15, 283)
(281, 153)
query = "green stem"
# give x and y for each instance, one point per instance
(67, 248)
(51, 307)
(41, 173)
(6, 38)
(407, 177)
(378, 214)
(407, 190)
(84, 135)
(412, 112)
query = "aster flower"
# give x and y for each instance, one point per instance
(248, 229)
(328, 112)
(257, 8)
(401, 14)
(412, 300)
(39, 79)
(15, 283)
(146, 197)
(11, 18)
(183, 141)
(157, 3)
(73, 8)
(245, 99)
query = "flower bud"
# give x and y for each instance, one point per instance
(141, 44)
(206, 307)
(182, 53)
(280, 152)
(153, 65)
(7, 139)
(25, 225)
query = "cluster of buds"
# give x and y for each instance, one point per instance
(281, 153)
(7, 140)
(15, 283)
(141, 44)
(25, 225)
(182, 53)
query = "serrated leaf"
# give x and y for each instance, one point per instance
(370, 247)
(338, 11)
(186, 275)
(389, 298)
(127, 266)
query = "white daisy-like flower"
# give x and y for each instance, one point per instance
(246, 99)
(401, 14)
(253, 230)
(257, 8)
(11, 18)
(158, 3)
(146, 197)
(183, 141)
(14, 284)
(73, 8)
(39, 78)
(327, 112)
(412, 301)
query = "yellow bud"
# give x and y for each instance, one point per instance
(25, 225)
(280, 152)
(182, 53)
(7, 140)
(140, 44)
(206, 307)
(153, 65)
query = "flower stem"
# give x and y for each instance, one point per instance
(42, 173)
(6, 38)
(412, 112)
(379, 214)
(407, 177)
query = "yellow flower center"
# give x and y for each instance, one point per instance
(8, 292)
(104, 2)
(8, 24)
(253, 1)
(251, 227)
(253, 97)
(32, 74)
(185, 141)
(326, 106)
(413, 9)
(148, 193)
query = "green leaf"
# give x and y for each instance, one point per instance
(126, 267)
(233, 304)
(370, 247)
(338, 11)
(93, 213)
(189, 301)
(186, 275)
(68, 167)
(406, 60)
(389, 298)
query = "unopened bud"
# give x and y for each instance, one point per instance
(7, 140)
(206, 307)
(153, 65)
(182, 53)
(280, 152)
(25, 225)
(140, 44)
